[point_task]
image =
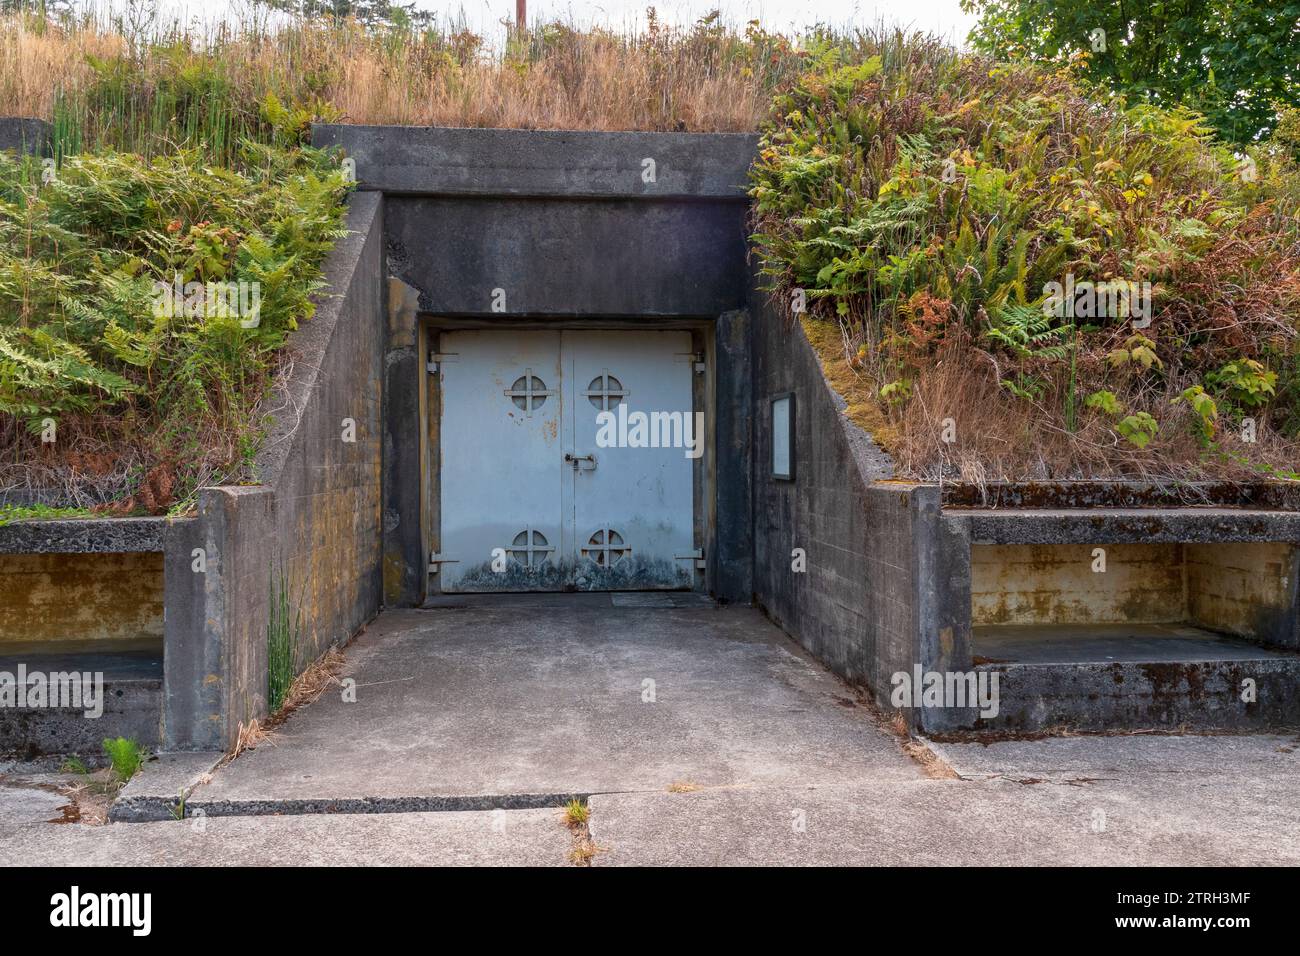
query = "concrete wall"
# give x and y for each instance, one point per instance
(565, 257)
(1056, 584)
(81, 597)
(24, 135)
(314, 523)
(1248, 589)
(879, 594)
(1243, 588)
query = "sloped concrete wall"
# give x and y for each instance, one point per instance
(313, 524)
(876, 595)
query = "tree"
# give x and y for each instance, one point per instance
(1236, 61)
(369, 12)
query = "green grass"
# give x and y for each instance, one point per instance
(125, 756)
(74, 765)
(283, 634)
(12, 513)
(576, 813)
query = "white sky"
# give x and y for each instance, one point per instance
(943, 17)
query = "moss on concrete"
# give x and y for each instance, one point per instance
(856, 388)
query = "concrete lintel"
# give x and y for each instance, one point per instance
(573, 164)
(1132, 525)
(83, 536)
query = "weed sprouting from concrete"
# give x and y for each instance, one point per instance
(283, 632)
(125, 756)
(576, 814)
(74, 765)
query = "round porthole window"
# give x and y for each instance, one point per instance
(605, 391)
(529, 392)
(606, 547)
(530, 548)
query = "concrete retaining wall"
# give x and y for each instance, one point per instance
(314, 523)
(24, 135)
(61, 598)
(869, 603)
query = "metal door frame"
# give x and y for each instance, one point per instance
(703, 469)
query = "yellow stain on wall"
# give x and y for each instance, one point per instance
(81, 597)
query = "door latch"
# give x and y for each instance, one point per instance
(577, 460)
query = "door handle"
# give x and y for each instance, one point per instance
(577, 460)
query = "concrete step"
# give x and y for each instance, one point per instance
(1110, 677)
(127, 678)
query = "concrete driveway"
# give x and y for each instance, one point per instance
(699, 735)
(520, 704)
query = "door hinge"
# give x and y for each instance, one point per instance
(436, 561)
(436, 358)
(696, 358)
(696, 555)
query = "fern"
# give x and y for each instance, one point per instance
(1027, 332)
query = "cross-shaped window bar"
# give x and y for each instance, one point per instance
(605, 547)
(531, 544)
(604, 389)
(529, 392)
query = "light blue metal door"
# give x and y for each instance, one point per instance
(566, 460)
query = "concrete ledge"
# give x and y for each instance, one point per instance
(1126, 525)
(1264, 495)
(24, 134)
(160, 789)
(1168, 694)
(83, 536)
(441, 161)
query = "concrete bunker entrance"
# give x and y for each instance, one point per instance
(568, 455)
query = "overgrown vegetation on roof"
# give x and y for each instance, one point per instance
(180, 159)
(986, 235)
(157, 86)
(927, 204)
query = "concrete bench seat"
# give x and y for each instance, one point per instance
(1103, 643)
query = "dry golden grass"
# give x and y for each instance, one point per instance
(703, 78)
(310, 684)
(33, 65)
(932, 765)
(248, 737)
(1002, 437)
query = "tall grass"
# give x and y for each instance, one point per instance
(283, 636)
(180, 85)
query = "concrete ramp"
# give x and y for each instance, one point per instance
(516, 706)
